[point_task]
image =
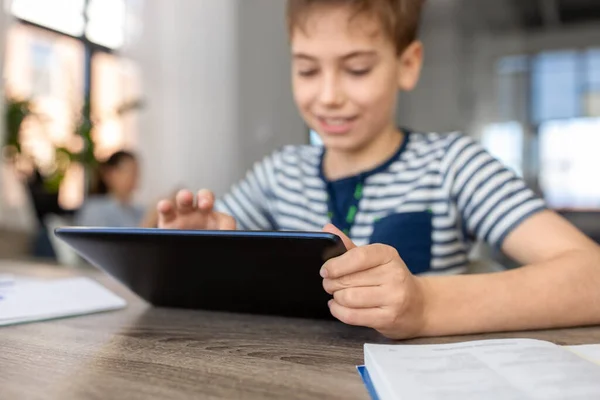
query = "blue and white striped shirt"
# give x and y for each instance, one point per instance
(431, 201)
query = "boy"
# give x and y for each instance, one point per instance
(420, 198)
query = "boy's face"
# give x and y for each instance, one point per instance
(346, 76)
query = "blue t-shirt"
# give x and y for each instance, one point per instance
(343, 195)
(431, 201)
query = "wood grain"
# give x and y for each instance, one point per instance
(146, 353)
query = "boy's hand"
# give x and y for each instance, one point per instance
(185, 212)
(372, 287)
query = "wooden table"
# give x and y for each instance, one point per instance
(149, 353)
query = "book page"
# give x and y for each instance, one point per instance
(590, 352)
(490, 369)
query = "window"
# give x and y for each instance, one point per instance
(565, 84)
(61, 53)
(64, 16)
(592, 90)
(504, 141)
(48, 68)
(106, 23)
(570, 163)
(116, 82)
(593, 69)
(556, 86)
(105, 18)
(557, 95)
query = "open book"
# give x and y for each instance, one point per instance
(489, 369)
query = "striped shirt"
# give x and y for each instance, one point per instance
(431, 201)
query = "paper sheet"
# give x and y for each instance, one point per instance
(40, 300)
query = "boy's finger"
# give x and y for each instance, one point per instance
(226, 222)
(330, 228)
(369, 317)
(358, 259)
(166, 212)
(206, 200)
(372, 277)
(361, 297)
(184, 201)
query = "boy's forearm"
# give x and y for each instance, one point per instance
(562, 292)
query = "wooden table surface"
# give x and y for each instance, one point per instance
(143, 352)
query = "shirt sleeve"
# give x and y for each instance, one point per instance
(248, 201)
(491, 199)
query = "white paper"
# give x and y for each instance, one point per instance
(590, 352)
(41, 300)
(491, 370)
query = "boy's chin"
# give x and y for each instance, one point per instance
(345, 144)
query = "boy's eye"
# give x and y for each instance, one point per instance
(359, 72)
(308, 72)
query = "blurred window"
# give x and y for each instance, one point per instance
(557, 93)
(556, 86)
(569, 163)
(60, 54)
(504, 141)
(115, 83)
(106, 23)
(565, 85)
(64, 16)
(592, 87)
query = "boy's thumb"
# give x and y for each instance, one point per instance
(330, 228)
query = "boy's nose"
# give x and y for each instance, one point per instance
(331, 94)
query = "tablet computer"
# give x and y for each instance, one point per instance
(238, 271)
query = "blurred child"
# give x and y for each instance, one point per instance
(111, 203)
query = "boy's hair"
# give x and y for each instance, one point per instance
(400, 19)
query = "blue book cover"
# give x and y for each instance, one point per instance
(364, 374)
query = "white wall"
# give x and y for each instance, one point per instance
(268, 117)
(188, 54)
(217, 88)
(436, 103)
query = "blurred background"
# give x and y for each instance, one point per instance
(200, 90)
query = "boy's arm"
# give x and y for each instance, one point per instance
(557, 288)
(372, 287)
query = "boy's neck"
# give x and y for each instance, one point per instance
(341, 164)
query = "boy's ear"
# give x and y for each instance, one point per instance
(410, 63)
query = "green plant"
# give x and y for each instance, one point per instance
(18, 110)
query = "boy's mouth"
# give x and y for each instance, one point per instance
(336, 125)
